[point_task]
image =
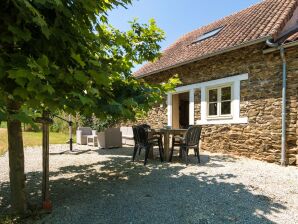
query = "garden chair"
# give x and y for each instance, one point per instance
(82, 133)
(155, 135)
(142, 141)
(136, 140)
(190, 140)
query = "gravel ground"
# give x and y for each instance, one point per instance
(104, 186)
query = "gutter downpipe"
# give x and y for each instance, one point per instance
(284, 104)
(284, 99)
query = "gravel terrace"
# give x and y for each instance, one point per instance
(104, 186)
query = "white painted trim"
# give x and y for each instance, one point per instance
(192, 107)
(234, 81)
(170, 110)
(216, 82)
(203, 104)
(218, 88)
(242, 120)
(187, 88)
(236, 99)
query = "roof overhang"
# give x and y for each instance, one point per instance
(287, 45)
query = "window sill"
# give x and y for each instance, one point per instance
(242, 120)
(229, 117)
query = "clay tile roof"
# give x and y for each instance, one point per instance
(259, 21)
(292, 38)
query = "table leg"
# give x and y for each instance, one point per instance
(151, 156)
(166, 145)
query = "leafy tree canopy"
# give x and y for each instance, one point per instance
(63, 54)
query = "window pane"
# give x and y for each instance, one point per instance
(212, 109)
(213, 95)
(226, 93)
(226, 108)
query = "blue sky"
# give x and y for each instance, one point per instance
(176, 17)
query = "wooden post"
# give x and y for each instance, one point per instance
(46, 203)
(166, 144)
(70, 132)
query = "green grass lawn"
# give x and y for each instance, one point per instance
(3, 125)
(32, 138)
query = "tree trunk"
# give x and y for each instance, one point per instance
(16, 162)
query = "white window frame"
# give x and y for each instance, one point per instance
(235, 104)
(218, 88)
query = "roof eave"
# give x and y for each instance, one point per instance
(246, 44)
(286, 45)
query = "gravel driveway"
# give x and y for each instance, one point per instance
(104, 186)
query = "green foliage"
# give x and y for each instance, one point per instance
(96, 123)
(86, 121)
(64, 55)
(59, 126)
(101, 125)
(10, 219)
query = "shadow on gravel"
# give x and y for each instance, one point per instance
(119, 191)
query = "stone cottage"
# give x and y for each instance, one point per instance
(233, 74)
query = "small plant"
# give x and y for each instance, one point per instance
(85, 121)
(98, 124)
(102, 124)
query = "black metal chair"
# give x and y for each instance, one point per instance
(191, 140)
(136, 140)
(176, 141)
(147, 128)
(142, 141)
(155, 136)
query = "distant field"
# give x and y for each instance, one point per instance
(32, 138)
(3, 125)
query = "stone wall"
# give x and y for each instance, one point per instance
(292, 105)
(260, 102)
(158, 116)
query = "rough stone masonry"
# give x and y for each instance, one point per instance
(260, 101)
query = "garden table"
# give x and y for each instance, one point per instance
(92, 140)
(167, 132)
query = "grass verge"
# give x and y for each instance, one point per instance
(32, 139)
(3, 125)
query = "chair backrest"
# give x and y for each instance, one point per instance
(135, 134)
(146, 126)
(193, 135)
(142, 135)
(85, 130)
